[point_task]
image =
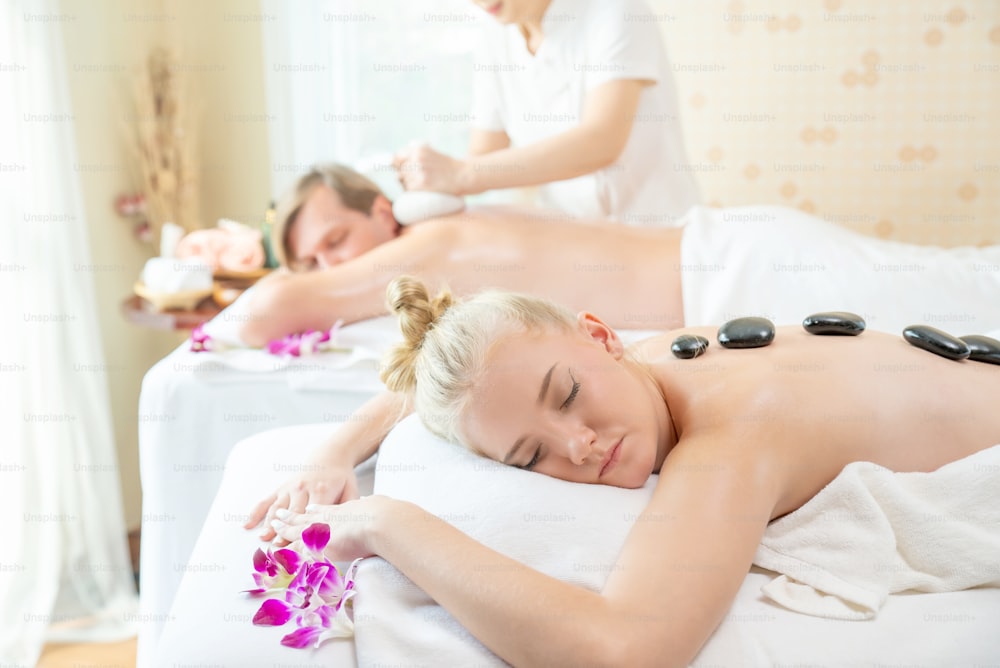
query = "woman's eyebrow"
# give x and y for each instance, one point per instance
(545, 383)
(541, 399)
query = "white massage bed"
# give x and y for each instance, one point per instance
(209, 623)
(195, 406)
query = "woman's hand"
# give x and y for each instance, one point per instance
(329, 482)
(422, 168)
(351, 525)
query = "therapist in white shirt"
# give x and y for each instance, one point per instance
(575, 96)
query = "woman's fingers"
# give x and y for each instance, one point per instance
(259, 512)
(350, 491)
(287, 532)
(297, 500)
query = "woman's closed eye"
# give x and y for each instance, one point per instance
(572, 393)
(534, 460)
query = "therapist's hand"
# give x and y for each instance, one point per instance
(323, 482)
(422, 168)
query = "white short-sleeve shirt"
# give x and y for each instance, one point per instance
(532, 97)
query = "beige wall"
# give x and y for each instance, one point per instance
(877, 114)
(105, 42)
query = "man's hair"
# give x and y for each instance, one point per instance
(355, 191)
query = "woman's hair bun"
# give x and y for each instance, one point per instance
(409, 299)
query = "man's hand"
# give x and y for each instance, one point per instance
(325, 483)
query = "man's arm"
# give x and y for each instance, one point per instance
(352, 291)
(629, 275)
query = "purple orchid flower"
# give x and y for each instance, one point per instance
(200, 341)
(307, 342)
(316, 594)
(274, 570)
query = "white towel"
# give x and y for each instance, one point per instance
(872, 532)
(808, 265)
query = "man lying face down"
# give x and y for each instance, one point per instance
(337, 233)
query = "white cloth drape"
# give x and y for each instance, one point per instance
(301, 87)
(64, 568)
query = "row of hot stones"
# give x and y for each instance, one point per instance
(759, 332)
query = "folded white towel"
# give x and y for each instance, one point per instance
(872, 532)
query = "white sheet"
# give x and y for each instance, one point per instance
(808, 265)
(574, 532)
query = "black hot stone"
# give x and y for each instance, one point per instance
(982, 348)
(936, 341)
(746, 333)
(835, 323)
(689, 346)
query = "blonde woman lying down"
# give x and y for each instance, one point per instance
(740, 443)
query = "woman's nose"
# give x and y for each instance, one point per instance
(580, 443)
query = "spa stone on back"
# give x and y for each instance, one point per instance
(982, 348)
(934, 340)
(689, 346)
(835, 323)
(746, 333)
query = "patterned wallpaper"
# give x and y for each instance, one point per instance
(881, 115)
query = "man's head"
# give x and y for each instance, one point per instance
(331, 215)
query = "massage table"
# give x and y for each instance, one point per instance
(194, 407)
(209, 622)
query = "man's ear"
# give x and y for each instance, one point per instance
(599, 331)
(381, 212)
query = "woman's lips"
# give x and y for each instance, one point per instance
(494, 9)
(611, 459)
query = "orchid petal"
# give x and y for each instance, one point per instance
(200, 340)
(301, 638)
(260, 560)
(290, 560)
(316, 536)
(272, 612)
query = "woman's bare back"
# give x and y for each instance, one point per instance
(806, 405)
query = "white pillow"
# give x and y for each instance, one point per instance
(571, 531)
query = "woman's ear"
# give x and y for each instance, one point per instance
(599, 331)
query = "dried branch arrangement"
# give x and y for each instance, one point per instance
(163, 143)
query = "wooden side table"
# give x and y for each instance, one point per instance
(140, 312)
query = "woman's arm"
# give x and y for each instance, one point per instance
(487, 141)
(595, 143)
(676, 577)
(329, 477)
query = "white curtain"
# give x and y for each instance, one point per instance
(64, 568)
(350, 80)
